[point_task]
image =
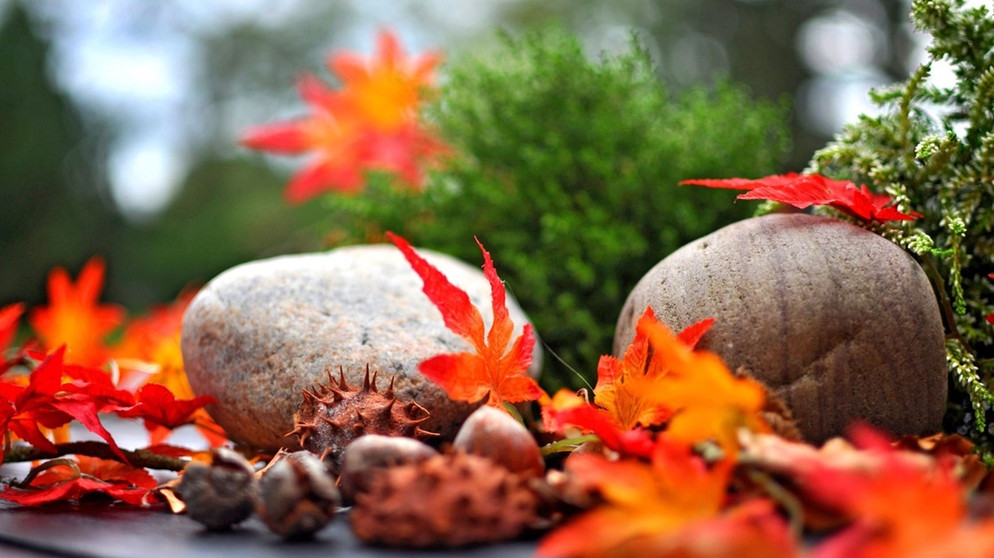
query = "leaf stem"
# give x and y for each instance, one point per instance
(790, 503)
(567, 444)
(91, 448)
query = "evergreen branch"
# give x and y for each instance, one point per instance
(91, 448)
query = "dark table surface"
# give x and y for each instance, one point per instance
(115, 531)
(106, 531)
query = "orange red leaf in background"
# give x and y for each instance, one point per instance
(9, 317)
(66, 480)
(804, 190)
(371, 124)
(493, 368)
(667, 507)
(74, 317)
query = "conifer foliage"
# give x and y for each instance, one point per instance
(932, 149)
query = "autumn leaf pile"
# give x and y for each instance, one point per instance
(669, 455)
(67, 371)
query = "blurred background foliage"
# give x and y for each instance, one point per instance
(100, 153)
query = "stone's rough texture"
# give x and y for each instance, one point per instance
(260, 333)
(840, 322)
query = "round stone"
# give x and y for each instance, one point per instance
(838, 321)
(258, 334)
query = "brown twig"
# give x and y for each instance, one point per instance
(91, 448)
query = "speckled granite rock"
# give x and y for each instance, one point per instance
(261, 332)
(838, 321)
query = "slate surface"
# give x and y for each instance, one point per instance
(105, 531)
(98, 530)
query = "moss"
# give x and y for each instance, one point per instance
(566, 168)
(933, 150)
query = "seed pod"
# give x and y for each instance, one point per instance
(331, 416)
(221, 494)
(370, 455)
(297, 496)
(451, 500)
(494, 434)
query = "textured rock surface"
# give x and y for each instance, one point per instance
(840, 322)
(261, 332)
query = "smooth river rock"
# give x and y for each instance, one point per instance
(838, 321)
(261, 332)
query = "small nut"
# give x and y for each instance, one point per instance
(298, 496)
(494, 434)
(371, 454)
(221, 494)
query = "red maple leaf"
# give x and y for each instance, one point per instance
(162, 412)
(26, 408)
(46, 401)
(804, 190)
(370, 124)
(61, 480)
(493, 368)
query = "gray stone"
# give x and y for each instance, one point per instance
(261, 332)
(838, 321)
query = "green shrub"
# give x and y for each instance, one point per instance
(566, 168)
(933, 149)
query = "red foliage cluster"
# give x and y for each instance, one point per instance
(69, 372)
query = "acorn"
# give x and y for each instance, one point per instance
(221, 494)
(372, 454)
(297, 496)
(331, 416)
(492, 433)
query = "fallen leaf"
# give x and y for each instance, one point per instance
(805, 190)
(668, 507)
(494, 370)
(61, 480)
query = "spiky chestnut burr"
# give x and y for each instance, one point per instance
(331, 416)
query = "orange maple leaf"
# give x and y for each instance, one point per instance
(388, 90)
(898, 507)
(493, 368)
(371, 124)
(622, 384)
(73, 316)
(664, 508)
(708, 401)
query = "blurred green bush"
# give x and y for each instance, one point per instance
(566, 168)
